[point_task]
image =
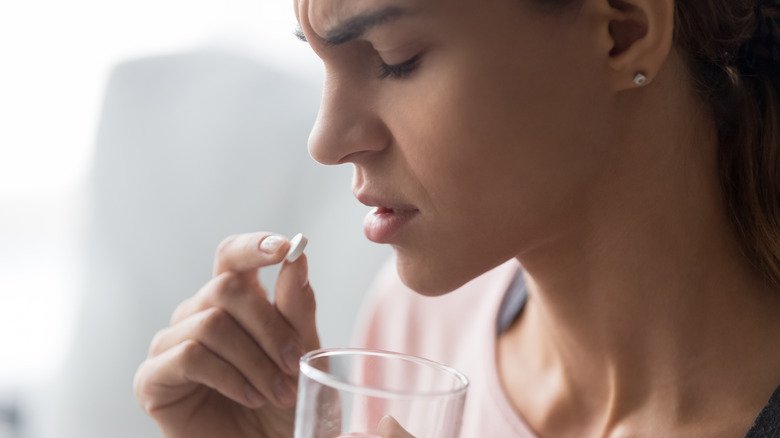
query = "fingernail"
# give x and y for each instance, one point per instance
(253, 396)
(292, 357)
(271, 243)
(283, 392)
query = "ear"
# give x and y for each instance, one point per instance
(636, 37)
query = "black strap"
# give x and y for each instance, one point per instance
(512, 304)
(766, 425)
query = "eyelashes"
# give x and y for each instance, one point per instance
(399, 71)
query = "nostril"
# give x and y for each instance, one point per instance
(353, 158)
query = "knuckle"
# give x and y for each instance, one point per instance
(139, 383)
(226, 290)
(224, 247)
(142, 388)
(216, 321)
(191, 352)
(157, 344)
(228, 279)
(179, 310)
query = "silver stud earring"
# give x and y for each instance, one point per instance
(640, 79)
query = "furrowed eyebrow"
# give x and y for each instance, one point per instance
(358, 25)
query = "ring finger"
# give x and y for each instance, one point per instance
(217, 330)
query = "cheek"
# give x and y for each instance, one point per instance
(528, 136)
(500, 151)
(487, 145)
(469, 186)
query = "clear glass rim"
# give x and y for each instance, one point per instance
(328, 380)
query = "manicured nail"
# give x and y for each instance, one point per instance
(292, 356)
(283, 392)
(253, 396)
(271, 243)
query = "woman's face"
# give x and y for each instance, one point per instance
(486, 136)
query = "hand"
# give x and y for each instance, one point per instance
(226, 365)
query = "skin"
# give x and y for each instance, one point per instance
(217, 370)
(520, 133)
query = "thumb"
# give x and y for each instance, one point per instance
(294, 299)
(389, 428)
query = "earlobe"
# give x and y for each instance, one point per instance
(641, 34)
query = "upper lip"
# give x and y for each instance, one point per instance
(383, 201)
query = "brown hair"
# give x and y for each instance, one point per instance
(733, 49)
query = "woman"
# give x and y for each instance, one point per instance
(625, 152)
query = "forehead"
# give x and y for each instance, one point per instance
(322, 15)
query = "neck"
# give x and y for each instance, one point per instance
(647, 300)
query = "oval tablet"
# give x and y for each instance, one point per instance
(297, 245)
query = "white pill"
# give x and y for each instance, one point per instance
(297, 245)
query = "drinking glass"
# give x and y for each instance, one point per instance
(347, 392)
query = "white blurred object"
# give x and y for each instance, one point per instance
(56, 57)
(192, 148)
(38, 271)
(56, 60)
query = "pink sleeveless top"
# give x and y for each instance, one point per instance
(457, 329)
(460, 330)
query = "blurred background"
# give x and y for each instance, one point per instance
(134, 136)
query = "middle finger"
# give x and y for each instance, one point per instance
(220, 333)
(254, 313)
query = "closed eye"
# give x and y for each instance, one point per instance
(399, 71)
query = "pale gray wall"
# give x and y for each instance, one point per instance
(191, 148)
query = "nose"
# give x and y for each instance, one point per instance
(348, 125)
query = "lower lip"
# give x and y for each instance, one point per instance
(382, 226)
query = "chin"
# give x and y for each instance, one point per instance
(435, 279)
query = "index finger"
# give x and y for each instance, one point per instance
(249, 252)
